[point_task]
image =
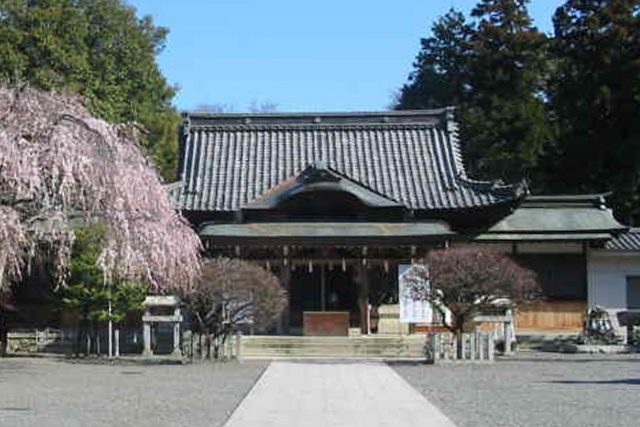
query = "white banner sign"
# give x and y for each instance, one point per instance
(412, 281)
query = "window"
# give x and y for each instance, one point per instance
(633, 292)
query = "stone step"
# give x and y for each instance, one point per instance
(364, 346)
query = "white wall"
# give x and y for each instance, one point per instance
(607, 277)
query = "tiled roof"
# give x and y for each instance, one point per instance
(559, 214)
(229, 160)
(628, 241)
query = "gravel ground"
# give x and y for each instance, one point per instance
(60, 393)
(534, 389)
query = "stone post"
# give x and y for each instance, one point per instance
(473, 342)
(507, 332)
(116, 342)
(176, 332)
(239, 346)
(146, 339)
(435, 347)
(490, 346)
(146, 334)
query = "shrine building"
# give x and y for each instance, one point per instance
(335, 203)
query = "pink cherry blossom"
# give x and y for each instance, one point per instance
(61, 167)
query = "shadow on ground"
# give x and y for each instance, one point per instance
(628, 381)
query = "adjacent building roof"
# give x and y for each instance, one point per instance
(583, 217)
(411, 157)
(628, 241)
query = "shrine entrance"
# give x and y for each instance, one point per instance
(323, 288)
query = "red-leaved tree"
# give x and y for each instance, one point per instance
(59, 166)
(231, 293)
(469, 280)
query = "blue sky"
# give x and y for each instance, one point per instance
(327, 55)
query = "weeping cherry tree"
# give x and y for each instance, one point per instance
(59, 167)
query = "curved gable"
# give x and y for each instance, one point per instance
(412, 158)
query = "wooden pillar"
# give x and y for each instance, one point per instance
(363, 299)
(284, 323)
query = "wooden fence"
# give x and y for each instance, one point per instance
(551, 316)
(473, 346)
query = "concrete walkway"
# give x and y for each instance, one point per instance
(334, 394)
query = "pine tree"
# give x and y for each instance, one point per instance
(596, 97)
(493, 70)
(441, 73)
(505, 121)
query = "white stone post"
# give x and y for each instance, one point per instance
(490, 346)
(146, 334)
(239, 346)
(507, 332)
(110, 325)
(116, 339)
(473, 345)
(435, 346)
(176, 332)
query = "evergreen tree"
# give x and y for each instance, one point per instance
(88, 296)
(492, 69)
(596, 98)
(505, 120)
(100, 49)
(441, 72)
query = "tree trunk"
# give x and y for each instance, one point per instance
(223, 342)
(191, 344)
(95, 337)
(459, 345)
(82, 347)
(216, 347)
(77, 348)
(3, 264)
(3, 323)
(3, 342)
(458, 321)
(4, 333)
(205, 345)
